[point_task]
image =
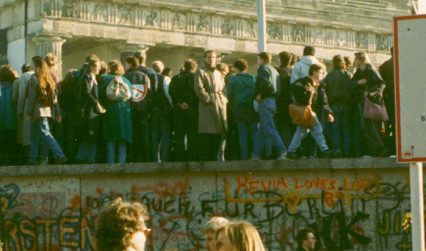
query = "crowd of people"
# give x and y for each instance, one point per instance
(122, 227)
(105, 112)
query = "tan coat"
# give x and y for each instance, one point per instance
(209, 87)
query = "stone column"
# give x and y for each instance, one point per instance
(50, 44)
(127, 50)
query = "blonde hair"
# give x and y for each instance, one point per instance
(243, 236)
(214, 224)
(115, 67)
(158, 66)
(51, 60)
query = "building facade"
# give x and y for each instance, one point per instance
(174, 30)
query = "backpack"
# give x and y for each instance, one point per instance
(118, 90)
(140, 89)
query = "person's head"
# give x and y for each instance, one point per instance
(104, 67)
(306, 239)
(348, 62)
(241, 65)
(223, 69)
(115, 67)
(285, 58)
(51, 60)
(158, 66)
(316, 72)
(43, 74)
(132, 62)
(168, 72)
(141, 56)
(309, 51)
(94, 66)
(190, 65)
(338, 62)
(209, 231)
(92, 57)
(264, 58)
(26, 68)
(121, 226)
(210, 59)
(238, 236)
(8, 74)
(361, 59)
(294, 59)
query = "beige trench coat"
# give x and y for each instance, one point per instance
(209, 87)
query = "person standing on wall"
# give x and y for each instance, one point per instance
(386, 71)
(301, 70)
(42, 105)
(145, 125)
(185, 112)
(306, 92)
(209, 87)
(161, 126)
(240, 91)
(140, 109)
(92, 109)
(267, 82)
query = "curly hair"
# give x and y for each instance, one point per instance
(115, 67)
(243, 236)
(116, 225)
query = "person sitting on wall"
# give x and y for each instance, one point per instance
(121, 227)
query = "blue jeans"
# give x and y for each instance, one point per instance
(245, 133)
(87, 152)
(161, 133)
(302, 132)
(42, 141)
(340, 130)
(267, 130)
(111, 151)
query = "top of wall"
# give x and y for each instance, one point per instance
(201, 167)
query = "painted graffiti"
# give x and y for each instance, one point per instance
(347, 213)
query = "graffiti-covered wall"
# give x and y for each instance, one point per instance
(349, 209)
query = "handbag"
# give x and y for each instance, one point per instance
(301, 115)
(375, 112)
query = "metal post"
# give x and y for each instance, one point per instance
(261, 25)
(416, 194)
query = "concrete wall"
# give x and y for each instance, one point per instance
(351, 204)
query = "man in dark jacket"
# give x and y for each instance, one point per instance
(284, 125)
(306, 92)
(185, 112)
(337, 86)
(140, 150)
(267, 82)
(386, 71)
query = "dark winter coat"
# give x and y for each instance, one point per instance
(301, 93)
(267, 81)
(337, 86)
(374, 84)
